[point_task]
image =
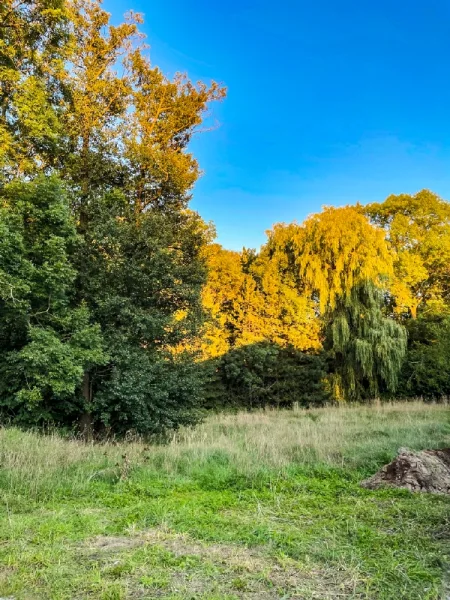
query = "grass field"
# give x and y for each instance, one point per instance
(261, 506)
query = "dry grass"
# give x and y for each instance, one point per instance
(246, 443)
(275, 439)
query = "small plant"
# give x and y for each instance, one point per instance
(156, 581)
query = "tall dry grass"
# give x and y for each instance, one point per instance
(247, 444)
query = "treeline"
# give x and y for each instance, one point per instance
(350, 305)
(117, 310)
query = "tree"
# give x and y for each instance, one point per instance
(118, 290)
(365, 347)
(266, 374)
(344, 262)
(137, 276)
(33, 38)
(288, 311)
(338, 249)
(258, 327)
(127, 125)
(233, 302)
(98, 97)
(165, 116)
(418, 229)
(250, 300)
(426, 371)
(46, 341)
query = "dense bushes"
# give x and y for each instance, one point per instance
(265, 374)
(426, 371)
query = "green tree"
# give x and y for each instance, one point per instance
(426, 371)
(137, 276)
(365, 347)
(47, 341)
(266, 374)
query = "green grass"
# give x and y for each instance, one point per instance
(264, 506)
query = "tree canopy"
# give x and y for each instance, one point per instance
(119, 312)
(418, 231)
(96, 175)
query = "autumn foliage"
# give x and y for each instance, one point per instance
(119, 312)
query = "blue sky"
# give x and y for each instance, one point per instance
(328, 102)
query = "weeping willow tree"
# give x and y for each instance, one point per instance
(366, 347)
(336, 250)
(345, 264)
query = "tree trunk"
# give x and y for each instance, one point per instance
(424, 471)
(86, 424)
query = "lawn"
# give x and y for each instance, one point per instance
(264, 505)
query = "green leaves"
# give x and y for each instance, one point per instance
(47, 340)
(365, 346)
(52, 366)
(426, 370)
(32, 47)
(266, 374)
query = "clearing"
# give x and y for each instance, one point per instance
(260, 506)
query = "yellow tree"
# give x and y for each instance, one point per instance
(344, 261)
(287, 312)
(98, 94)
(233, 302)
(250, 300)
(418, 230)
(165, 116)
(338, 249)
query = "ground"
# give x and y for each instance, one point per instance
(260, 506)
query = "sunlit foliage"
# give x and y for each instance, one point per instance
(117, 310)
(418, 230)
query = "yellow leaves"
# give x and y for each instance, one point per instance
(180, 315)
(338, 249)
(165, 115)
(98, 94)
(250, 300)
(418, 229)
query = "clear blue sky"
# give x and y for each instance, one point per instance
(328, 102)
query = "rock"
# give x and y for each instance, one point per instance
(425, 471)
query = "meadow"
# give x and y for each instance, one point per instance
(262, 505)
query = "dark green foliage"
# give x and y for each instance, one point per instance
(149, 394)
(100, 307)
(266, 374)
(47, 340)
(366, 348)
(426, 371)
(135, 275)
